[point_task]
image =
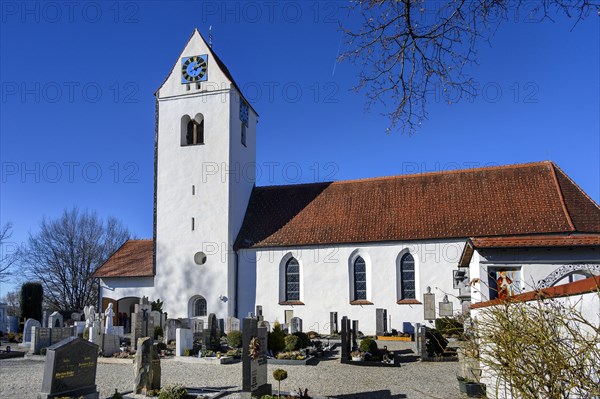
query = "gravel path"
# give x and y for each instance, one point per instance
(22, 378)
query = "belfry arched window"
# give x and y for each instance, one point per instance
(195, 132)
(192, 130)
(292, 280)
(360, 279)
(407, 277)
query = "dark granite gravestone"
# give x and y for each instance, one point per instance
(333, 323)
(259, 313)
(212, 333)
(354, 334)
(146, 367)
(380, 321)
(346, 338)
(254, 370)
(70, 370)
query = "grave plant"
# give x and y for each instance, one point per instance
(234, 339)
(279, 375)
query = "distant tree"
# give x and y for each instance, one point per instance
(7, 257)
(409, 49)
(32, 296)
(66, 252)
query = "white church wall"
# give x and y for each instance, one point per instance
(325, 282)
(241, 178)
(533, 264)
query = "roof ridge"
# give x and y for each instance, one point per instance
(412, 175)
(563, 204)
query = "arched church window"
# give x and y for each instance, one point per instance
(292, 280)
(360, 279)
(199, 308)
(407, 277)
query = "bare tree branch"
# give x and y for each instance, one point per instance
(413, 50)
(7, 251)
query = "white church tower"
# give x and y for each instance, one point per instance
(205, 171)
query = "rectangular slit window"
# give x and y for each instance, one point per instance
(193, 223)
(193, 190)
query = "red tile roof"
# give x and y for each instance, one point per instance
(536, 198)
(133, 259)
(544, 241)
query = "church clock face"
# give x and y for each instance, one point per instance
(193, 69)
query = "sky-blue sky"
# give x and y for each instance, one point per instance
(77, 105)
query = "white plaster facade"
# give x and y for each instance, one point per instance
(326, 281)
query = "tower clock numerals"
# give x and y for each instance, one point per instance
(193, 69)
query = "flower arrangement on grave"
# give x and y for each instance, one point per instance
(254, 348)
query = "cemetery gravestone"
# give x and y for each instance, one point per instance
(29, 324)
(110, 344)
(429, 306)
(147, 367)
(354, 334)
(40, 338)
(264, 324)
(45, 316)
(380, 321)
(183, 341)
(212, 334)
(156, 317)
(346, 339)
(55, 320)
(170, 327)
(13, 324)
(70, 370)
(233, 324)
(259, 313)
(254, 359)
(295, 325)
(446, 308)
(333, 323)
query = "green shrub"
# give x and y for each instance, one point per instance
(435, 343)
(86, 333)
(448, 326)
(234, 339)
(292, 343)
(369, 345)
(173, 392)
(117, 395)
(304, 341)
(158, 332)
(43, 351)
(276, 340)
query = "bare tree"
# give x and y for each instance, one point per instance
(12, 300)
(411, 50)
(7, 256)
(66, 252)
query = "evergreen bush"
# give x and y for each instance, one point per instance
(234, 339)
